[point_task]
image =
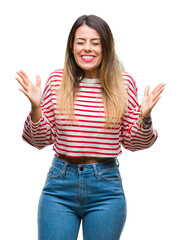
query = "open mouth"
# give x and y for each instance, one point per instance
(87, 58)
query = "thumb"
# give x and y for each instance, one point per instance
(38, 81)
(147, 89)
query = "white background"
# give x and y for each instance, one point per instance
(147, 36)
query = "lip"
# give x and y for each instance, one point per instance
(87, 57)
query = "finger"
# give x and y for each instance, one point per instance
(22, 84)
(156, 88)
(147, 89)
(160, 85)
(23, 77)
(24, 74)
(156, 100)
(23, 91)
(157, 94)
(38, 81)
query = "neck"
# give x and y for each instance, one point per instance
(91, 74)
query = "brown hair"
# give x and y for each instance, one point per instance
(113, 89)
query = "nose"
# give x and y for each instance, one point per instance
(87, 46)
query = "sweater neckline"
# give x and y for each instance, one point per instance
(90, 80)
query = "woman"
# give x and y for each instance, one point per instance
(87, 111)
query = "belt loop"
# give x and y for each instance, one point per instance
(117, 162)
(95, 169)
(64, 168)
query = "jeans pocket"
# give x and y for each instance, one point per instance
(54, 172)
(110, 174)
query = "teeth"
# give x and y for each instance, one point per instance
(87, 57)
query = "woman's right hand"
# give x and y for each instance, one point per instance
(33, 92)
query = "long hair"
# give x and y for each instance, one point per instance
(113, 88)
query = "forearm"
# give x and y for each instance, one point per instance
(138, 139)
(35, 114)
(135, 135)
(39, 128)
(40, 133)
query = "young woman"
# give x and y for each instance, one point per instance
(87, 111)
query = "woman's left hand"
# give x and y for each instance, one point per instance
(150, 100)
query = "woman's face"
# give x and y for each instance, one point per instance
(87, 50)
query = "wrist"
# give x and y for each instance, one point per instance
(144, 122)
(146, 116)
(35, 108)
(35, 113)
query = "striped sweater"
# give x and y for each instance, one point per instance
(87, 137)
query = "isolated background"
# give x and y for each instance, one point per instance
(148, 39)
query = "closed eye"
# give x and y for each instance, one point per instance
(80, 43)
(96, 43)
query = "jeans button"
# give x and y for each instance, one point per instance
(81, 168)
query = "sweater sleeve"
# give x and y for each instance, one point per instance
(42, 133)
(133, 137)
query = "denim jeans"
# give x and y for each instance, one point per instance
(91, 193)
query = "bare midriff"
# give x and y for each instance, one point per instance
(82, 160)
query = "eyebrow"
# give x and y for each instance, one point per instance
(91, 39)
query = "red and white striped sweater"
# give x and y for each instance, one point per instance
(87, 137)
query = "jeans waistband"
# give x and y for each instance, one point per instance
(77, 168)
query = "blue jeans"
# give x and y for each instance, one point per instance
(91, 192)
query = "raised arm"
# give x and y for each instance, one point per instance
(32, 92)
(151, 99)
(133, 136)
(39, 128)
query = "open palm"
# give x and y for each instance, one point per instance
(33, 92)
(150, 99)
